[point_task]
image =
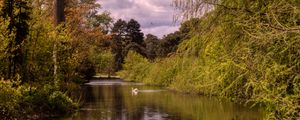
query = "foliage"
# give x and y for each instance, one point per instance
(152, 46)
(60, 102)
(17, 15)
(246, 51)
(28, 40)
(16, 102)
(134, 71)
(126, 36)
(169, 43)
(9, 100)
(103, 62)
(134, 32)
(160, 48)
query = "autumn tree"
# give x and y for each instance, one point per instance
(88, 29)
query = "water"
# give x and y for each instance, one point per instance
(114, 100)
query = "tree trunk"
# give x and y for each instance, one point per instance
(10, 46)
(59, 17)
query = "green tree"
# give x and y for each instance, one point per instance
(152, 46)
(134, 32)
(126, 36)
(188, 27)
(168, 44)
(17, 13)
(118, 43)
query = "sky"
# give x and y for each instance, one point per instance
(155, 16)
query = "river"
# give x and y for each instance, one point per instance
(114, 100)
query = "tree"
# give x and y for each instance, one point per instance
(101, 20)
(152, 46)
(134, 32)
(17, 12)
(59, 17)
(119, 35)
(169, 43)
(189, 26)
(59, 14)
(126, 36)
(88, 29)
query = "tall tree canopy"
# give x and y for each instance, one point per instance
(152, 46)
(126, 36)
(134, 32)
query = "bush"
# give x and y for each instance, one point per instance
(60, 102)
(9, 100)
(47, 99)
(136, 67)
(17, 102)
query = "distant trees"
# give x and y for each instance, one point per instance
(119, 35)
(134, 33)
(169, 43)
(152, 46)
(126, 35)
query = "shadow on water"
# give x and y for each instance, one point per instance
(113, 100)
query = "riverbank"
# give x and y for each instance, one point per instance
(245, 51)
(189, 75)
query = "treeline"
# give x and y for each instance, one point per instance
(44, 61)
(247, 51)
(128, 36)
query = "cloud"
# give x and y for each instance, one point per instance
(155, 16)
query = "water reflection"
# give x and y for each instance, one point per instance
(116, 102)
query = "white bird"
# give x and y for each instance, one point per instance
(134, 91)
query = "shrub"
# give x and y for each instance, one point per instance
(136, 67)
(60, 102)
(16, 101)
(9, 99)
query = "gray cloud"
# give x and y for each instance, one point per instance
(155, 16)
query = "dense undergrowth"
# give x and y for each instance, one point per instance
(34, 101)
(250, 57)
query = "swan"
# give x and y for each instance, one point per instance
(134, 90)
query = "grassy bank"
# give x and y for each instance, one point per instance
(239, 55)
(227, 79)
